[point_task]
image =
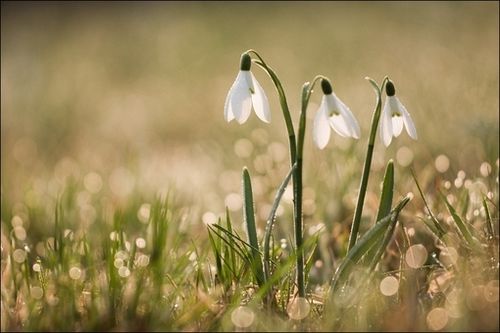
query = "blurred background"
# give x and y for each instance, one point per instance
(126, 99)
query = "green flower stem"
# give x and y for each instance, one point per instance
(283, 103)
(366, 168)
(306, 94)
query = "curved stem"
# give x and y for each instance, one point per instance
(366, 168)
(283, 103)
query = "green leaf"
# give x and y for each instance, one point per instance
(365, 243)
(249, 217)
(387, 192)
(384, 210)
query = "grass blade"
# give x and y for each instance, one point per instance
(464, 230)
(249, 218)
(489, 224)
(271, 219)
(437, 226)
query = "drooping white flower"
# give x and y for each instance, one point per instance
(333, 113)
(244, 94)
(394, 117)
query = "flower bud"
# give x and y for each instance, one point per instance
(245, 62)
(326, 87)
(389, 88)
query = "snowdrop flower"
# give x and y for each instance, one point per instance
(244, 94)
(394, 115)
(333, 112)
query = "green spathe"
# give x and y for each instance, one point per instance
(245, 62)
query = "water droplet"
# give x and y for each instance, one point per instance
(124, 271)
(19, 256)
(442, 163)
(75, 273)
(485, 169)
(416, 256)
(242, 317)
(36, 292)
(437, 319)
(389, 286)
(140, 243)
(209, 218)
(144, 212)
(298, 308)
(20, 233)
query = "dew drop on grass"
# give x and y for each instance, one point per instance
(389, 286)
(118, 263)
(437, 319)
(140, 243)
(209, 218)
(142, 260)
(75, 273)
(19, 256)
(485, 169)
(442, 163)
(20, 233)
(458, 182)
(144, 212)
(37, 267)
(36, 292)
(298, 308)
(16, 221)
(416, 256)
(124, 271)
(242, 317)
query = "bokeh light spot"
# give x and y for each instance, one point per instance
(442, 163)
(437, 319)
(416, 256)
(389, 286)
(242, 317)
(298, 308)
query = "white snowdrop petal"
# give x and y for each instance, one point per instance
(228, 113)
(340, 126)
(321, 127)
(410, 126)
(349, 118)
(397, 125)
(386, 124)
(260, 102)
(240, 100)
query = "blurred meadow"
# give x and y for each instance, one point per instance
(106, 107)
